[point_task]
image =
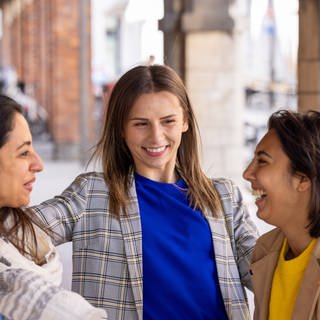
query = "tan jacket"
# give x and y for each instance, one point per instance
(264, 262)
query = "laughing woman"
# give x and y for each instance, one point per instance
(30, 269)
(285, 177)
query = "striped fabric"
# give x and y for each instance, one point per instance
(26, 295)
(107, 252)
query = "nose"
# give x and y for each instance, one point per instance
(36, 164)
(156, 133)
(249, 172)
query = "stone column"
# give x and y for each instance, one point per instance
(309, 55)
(214, 82)
(174, 37)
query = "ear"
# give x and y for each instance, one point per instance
(304, 183)
(185, 126)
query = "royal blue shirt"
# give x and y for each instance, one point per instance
(179, 272)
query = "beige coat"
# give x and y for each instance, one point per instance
(264, 262)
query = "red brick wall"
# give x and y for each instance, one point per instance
(42, 41)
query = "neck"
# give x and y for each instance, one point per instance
(160, 176)
(297, 244)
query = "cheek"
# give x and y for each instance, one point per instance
(135, 137)
(175, 133)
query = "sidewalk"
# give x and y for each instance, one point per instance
(55, 177)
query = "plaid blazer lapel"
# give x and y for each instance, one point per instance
(228, 275)
(132, 237)
(223, 256)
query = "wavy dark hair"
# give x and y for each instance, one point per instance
(299, 134)
(17, 224)
(116, 159)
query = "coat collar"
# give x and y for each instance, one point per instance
(264, 262)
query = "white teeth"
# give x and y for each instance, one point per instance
(258, 194)
(160, 149)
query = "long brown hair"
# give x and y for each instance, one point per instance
(16, 224)
(111, 149)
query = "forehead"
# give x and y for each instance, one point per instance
(156, 101)
(269, 141)
(20, 132)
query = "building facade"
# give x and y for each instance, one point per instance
(47, 44)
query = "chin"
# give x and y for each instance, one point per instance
(262, 216)
(24, 203)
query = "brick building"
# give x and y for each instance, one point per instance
(44, 41)
(48, 44)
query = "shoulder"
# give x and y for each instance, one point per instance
(269, 241)
(90, 177)
(223, 184)
(227, 189)
(93, 181)
(271, 237)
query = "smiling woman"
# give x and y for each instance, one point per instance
(18, 165)
(152, 218)
(285, 178)
(30, 269)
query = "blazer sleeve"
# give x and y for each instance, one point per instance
(62, 213)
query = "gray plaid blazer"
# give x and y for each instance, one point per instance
(107, 252)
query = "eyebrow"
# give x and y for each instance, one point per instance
(264, 153)
(145, 119)
(28, 143)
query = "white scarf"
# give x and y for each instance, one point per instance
(29, 291)
(51, 270)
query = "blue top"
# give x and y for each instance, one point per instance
(179, 271)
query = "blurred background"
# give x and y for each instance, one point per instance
(240, 60)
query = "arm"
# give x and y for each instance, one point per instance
(62, 212)
(27, 295)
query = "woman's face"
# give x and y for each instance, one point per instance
(153, 133)
(282, 198)
(18, 165)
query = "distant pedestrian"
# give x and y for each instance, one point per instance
(151, 60)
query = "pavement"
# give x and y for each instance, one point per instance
(55, 177)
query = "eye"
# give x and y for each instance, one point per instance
(261, 161)
(169, 121)
(140, 124)
(25, 153)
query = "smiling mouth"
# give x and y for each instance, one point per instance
(259, 194)
(156, 150)
(29, 185)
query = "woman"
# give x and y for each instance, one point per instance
(153, 237)
(284, 176)
(30, 269)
